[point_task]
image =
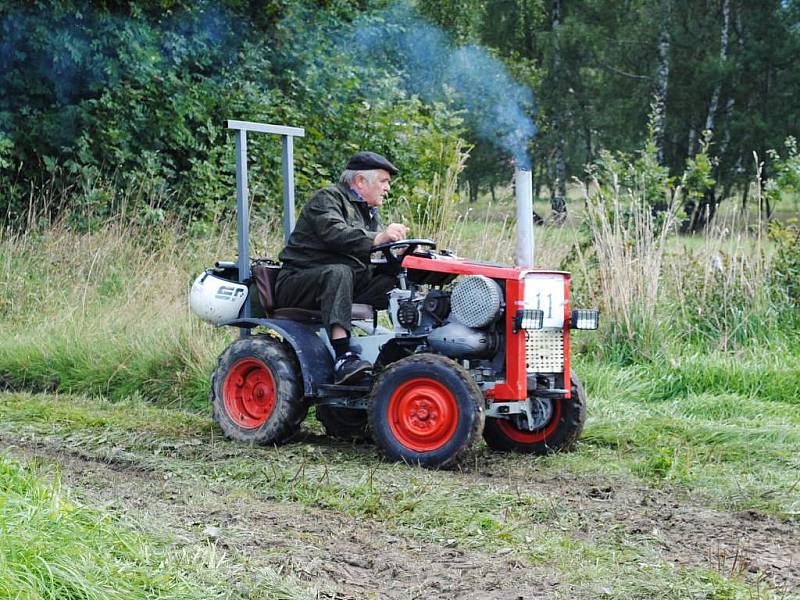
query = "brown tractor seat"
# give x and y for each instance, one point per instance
(267, 274)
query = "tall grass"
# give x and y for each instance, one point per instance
(629, 242)
(723, 430)
(433, 214)
(662, 294)
(104, 311)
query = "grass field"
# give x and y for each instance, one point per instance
(685, 484)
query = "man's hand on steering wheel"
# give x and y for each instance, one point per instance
(408, 247)
(393, 233)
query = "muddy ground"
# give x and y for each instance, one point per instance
(345, 557)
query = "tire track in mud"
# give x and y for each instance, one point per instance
(350, 557)
(342, 557)
(683, 532)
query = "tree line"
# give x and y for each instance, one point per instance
(135, 93)
(718, 76)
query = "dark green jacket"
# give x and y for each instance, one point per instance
(335, 227)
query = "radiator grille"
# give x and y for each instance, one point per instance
(544, 351)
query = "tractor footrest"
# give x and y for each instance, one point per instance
(554, 393)
(331, 389)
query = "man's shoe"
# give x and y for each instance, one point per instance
(350, 368)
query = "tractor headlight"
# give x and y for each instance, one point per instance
(527, 319)
(585, 318)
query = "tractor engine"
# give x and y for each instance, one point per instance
(462, 324)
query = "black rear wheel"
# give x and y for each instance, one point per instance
(256, 392)
(426, 410)
(558, 425)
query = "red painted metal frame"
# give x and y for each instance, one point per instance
(515, 387)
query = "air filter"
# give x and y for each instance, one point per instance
(476, 301)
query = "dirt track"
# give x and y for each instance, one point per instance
(341, 556)
(346, 557)
(684, 533)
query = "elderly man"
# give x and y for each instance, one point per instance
(326, 264)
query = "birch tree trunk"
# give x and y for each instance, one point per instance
(558, 196)
(662, 78)
(723, 57)
(705, 212)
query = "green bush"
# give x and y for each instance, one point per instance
(784, 172)
(785, 274)
(134, 99)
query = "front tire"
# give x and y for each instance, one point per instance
(256, 393)
(558, 433)
(425, 410)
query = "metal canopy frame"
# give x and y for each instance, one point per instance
(242, 192)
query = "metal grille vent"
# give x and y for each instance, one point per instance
(544, 351)
(476, 301)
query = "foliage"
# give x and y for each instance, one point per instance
(140, 99)
(639, 177)
(786, 264)
(137, 93)
(785, 180)
(784, 172)
(434, 214)
(697, 178)
(595, 67)
(642, 177)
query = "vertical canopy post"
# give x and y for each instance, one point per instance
(288, 187)
(242, 192)
(243, 211)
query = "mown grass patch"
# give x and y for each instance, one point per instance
(53, 547)
(449, 508)
(731, 449)
(76, 413)
(768, 377)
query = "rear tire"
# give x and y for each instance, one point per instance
(344, 423)
(558, 434)
(256, 393)
(425, 410)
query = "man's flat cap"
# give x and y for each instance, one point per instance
(366, 161)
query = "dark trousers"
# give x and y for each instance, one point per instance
(332, 289)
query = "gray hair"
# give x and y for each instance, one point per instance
(349, 176)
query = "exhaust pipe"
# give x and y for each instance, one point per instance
(523, 184)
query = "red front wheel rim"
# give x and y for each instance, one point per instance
(531, 437)
(423, 414)
(249, 393)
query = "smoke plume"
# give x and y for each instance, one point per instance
(433, 68)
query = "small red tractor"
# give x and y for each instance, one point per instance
(473, 349)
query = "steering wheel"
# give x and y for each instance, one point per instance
(410, 246)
